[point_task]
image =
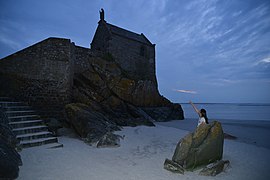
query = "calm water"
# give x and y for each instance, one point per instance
(250, 123)
(220, 111)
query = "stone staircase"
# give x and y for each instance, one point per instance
(28, 127)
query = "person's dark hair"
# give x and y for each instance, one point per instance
(203, 112)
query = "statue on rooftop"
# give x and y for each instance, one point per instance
(101, 14)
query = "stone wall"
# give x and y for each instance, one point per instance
(134, 57)
(56, 72)
(41, 75)
(127, 52)
(101, 38)
(84, 57)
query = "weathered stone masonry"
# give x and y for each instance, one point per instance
(41, 75)
(118, 73)
(134, 52)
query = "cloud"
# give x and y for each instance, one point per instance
(218, 42)
(237, 13)
(10, 43)
(186, 91)
(265, 60)
(224, 82)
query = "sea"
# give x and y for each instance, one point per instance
(230, 111)
(250, 123)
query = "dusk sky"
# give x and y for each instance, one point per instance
(206, 50)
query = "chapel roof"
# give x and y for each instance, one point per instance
(128, 34)
(123, 32)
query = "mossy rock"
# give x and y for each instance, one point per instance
(200, 148)
(87, 121)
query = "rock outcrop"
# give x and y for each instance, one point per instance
(106, 96)
(53, 125)
(200, 148)
(10, 160)
(215, 168)
(109, 140)
(129, 101)
(90, 125)
(170, 112)
(173, 167)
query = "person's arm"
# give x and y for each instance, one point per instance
(194, 107)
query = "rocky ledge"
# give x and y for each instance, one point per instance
(106, 97)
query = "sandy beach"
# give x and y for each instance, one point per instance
(142, 154)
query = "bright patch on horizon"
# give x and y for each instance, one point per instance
(265, 60)
(186, 91)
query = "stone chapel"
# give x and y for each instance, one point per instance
(133, 51)
(118, 71)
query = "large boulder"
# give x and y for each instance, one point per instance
(109, 140)
(200, 148)
(215, 168)
(173, 167)
(53, 125)
(10, 160)
(89, 124)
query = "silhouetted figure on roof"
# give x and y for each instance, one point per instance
(101, 14)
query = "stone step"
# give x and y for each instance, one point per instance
(4, 104)
(32, 129)
(31, 136)
(17, 108)
(38, 142)
(52, 145)
(29, 123)
(20, 113)
(23, 118)
(5, 99)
